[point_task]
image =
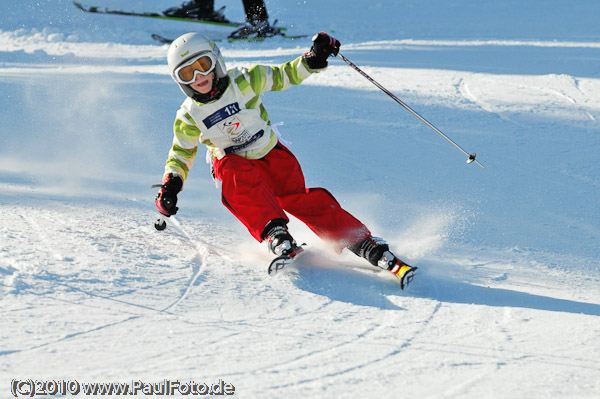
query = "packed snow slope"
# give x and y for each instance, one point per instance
(507, 304)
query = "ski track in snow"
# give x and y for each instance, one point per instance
(506, 301)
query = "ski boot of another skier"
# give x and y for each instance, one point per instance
(279, 239)
(255, 29)
(197, 9)
(377, 252)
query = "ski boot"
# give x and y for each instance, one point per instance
(255, 30)
(281, 244)
(279, 239)
(197, 10)
(377, 252)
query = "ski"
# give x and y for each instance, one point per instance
(98, 10)
(166, 40)
(281, 34)
(405, 274)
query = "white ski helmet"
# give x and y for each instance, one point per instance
(188, 46)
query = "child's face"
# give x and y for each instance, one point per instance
(203, 84)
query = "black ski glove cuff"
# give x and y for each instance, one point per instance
(323, 47)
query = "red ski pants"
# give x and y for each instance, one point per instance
(257, 191)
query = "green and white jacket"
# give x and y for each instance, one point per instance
(235, 123)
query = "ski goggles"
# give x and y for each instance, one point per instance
(202, 64)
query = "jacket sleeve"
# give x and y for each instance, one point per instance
(185, 145)
(276, 78)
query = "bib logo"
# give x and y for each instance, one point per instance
(235, 130)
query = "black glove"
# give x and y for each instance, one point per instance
(166, 198)
(323, 46)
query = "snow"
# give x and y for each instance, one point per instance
(507, 304)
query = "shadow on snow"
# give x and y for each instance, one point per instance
(364, 286)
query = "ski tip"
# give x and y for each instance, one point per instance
(408, 277)
(161, 39)
(279, 263)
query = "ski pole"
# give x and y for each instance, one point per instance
(470, 157)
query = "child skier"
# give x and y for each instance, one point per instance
(260, 178)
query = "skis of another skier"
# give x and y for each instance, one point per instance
(100, 10)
